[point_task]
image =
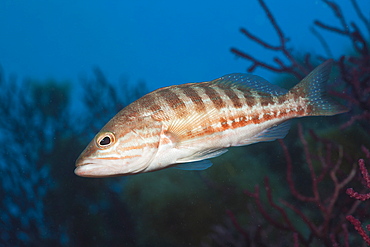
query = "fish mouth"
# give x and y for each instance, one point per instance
(84, 168)
(88, 168)
(92, 170)
(81, 162)
(97, 168)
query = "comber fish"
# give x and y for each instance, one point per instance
(185, 125)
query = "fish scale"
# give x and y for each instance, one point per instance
(231, 113)
(183, 126)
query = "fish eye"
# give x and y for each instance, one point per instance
(105, 139)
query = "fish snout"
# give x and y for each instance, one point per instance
(87, 153)
(79, 161)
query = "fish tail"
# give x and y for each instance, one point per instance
(312, 89)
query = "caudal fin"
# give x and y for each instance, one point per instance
(312, 87)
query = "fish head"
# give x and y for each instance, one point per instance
(110, 154)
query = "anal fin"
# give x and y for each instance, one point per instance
(271, 134)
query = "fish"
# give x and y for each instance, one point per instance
(183, 126)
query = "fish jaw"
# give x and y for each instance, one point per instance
(111, 166)
(97, 168)
(89, 164)
(105, 167)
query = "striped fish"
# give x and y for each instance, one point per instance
(185, 125)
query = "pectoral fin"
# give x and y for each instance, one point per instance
(199, 161)
(197, 165)
(195, 123)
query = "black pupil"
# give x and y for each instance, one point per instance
(105, 141)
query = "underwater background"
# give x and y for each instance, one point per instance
(67, 67)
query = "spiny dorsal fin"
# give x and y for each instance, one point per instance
(251, 82)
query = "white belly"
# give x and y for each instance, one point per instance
(209, 146)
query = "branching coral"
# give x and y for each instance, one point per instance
(325, 205)
(362, 197)
(324, 211)
(319, 212)
(354, 68)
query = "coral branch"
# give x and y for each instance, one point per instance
(326, 206)
(331, 165)
(365, 175)
(262, 210)
(290, 180)
(259, 41)
(356, 195)
(363, 197)
(357, 225)
(237, 225)
(287, 225)
(329, 28)
(366, 151)
(295, 68)
(361, 15)
(354, 69)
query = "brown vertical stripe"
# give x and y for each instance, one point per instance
(172, 99)
(147, 102)
(214, 97)
(265, 101)
(281, 99)
(310, 109)
(233, 97)
(262, 94)
(155, 108)
(249, 99)
(193, 95)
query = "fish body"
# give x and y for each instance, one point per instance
(185, 125)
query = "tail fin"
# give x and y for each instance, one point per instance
(312, 87)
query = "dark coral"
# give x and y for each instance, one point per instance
(354, 68)
(322, 208)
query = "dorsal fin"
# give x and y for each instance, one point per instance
(250, 82)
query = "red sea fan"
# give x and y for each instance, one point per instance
(362, 197)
